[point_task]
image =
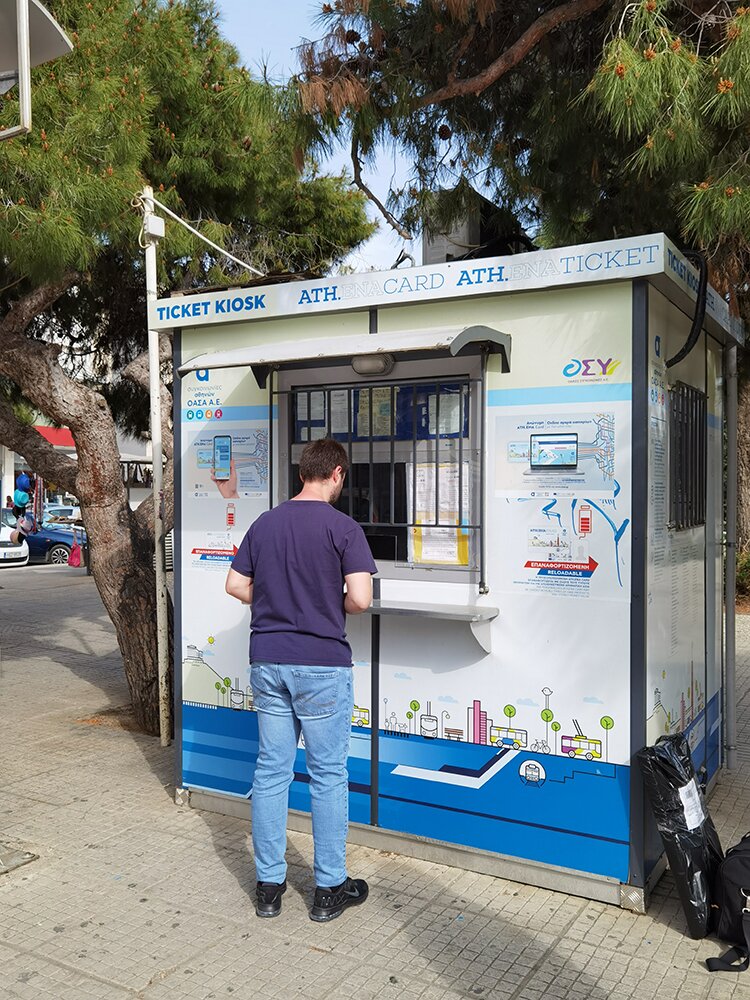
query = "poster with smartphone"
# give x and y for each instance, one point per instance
(229, 462)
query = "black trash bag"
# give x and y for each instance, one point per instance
(687, 831)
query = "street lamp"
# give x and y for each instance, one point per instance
(29, 36)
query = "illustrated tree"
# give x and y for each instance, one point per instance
(415, 706)
(143, 98)
(556, 729)
(509, 711)
(607, 723)
(409, 716)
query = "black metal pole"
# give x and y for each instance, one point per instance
(375, 710)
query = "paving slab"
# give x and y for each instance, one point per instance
(134, 897)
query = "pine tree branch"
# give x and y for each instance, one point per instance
(463, 48)
(38, 452)
(138, 372)
(25, 309)
(357, 173)
(144, 515)
(511, 57)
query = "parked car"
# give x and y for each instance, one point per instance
(58, 510)
(51, 543)
(10, 554)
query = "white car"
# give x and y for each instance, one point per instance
(10, 554)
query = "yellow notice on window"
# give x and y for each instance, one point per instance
(380, 400)
(446, 544)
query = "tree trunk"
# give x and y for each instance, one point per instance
(122, 566)
(743, 465)
(121, 541)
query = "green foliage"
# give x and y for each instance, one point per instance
(607, 722)
(743, 572)
(547, 715)
(681, 85)
(521, 142)
(145, 98)
(510, 711)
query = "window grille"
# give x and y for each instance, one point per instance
(687, 457)
(414, 450)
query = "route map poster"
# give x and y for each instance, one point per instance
(569, 522)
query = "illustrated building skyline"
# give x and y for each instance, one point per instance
(476, 723)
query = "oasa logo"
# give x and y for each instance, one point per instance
(590, 367)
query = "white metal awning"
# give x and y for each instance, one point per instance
(47, 40)
(454, 340)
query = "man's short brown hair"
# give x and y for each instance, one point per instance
(320, 458)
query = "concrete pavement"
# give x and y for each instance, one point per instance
(134, 897)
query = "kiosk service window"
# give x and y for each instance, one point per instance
(414, 463)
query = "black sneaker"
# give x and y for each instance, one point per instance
(331, 903)
(268, 898)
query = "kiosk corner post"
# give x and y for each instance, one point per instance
(153, 230)
(636, 887)
(730, 675)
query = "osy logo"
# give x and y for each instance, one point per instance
(590, 367)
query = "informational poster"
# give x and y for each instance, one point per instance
(376, 401)
(563, 476)
(436, 498)
(224, 477)
(450, 412)
(242, 446)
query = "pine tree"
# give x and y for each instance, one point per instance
(143, 98)
(676, 79)
(460, 86)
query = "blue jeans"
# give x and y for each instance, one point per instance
(319, 702)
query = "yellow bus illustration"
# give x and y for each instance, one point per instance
(504, 736)
(360, 716)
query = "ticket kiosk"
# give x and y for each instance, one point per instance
(542, 493)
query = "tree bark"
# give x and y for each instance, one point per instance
(120, 540)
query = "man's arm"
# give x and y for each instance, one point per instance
(358, 597)
(239, 586)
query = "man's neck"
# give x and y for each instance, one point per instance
(315, 491)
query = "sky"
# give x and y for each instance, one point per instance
(268, 33)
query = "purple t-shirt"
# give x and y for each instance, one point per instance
(298, 555)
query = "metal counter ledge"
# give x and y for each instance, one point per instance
(478, 616)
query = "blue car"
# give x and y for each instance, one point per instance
(48, 544)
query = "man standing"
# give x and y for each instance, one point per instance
(292, 566)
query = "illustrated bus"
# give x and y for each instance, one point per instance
(360, 716)
(503, 736)
(580, 746)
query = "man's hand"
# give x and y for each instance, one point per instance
(239, 586)
(227, 487)
(358, 596)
